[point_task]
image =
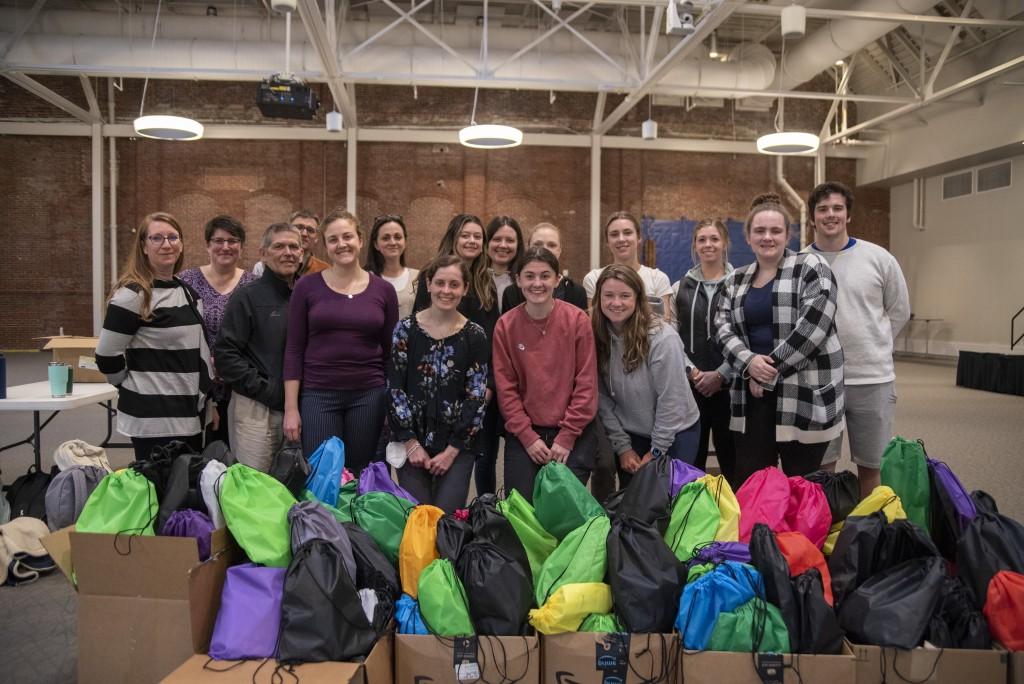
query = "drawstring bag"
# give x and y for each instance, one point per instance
(561, 501)
(852, 561)
(694, 522)
(418, 547)
(952, 509)
(250, 613)
(983, 502)
(256, 508)
(383, 516)
(842, 491)
(498, 589)
(346, 495)
(325, 466)
(901, 541)
(801, 555)
(373, 569)
(157, 468)
(311, 520)
(570, 606)
(648, 498)
(766, 556)
(336, 513)
(895, 606)
(601, 622)
(718, 552)
(905, 469)
(728, 507)
(1004, 607)
(764, 498)
(407, 615)
(67, 493)
(582, 557)
(754, 627)
(453, 535)
(956, 623)
(818, 624)
(881, 498)
(490, 525)
(808, 510)
(536, 541)
(209, 487)
(377, 478)
(992, 542)
(683, 473)
(124, 502)
(290, 467)
(724, 588)
(182, 487)
(443, 603)
(645, 576)
(322, 616)
(189, 523)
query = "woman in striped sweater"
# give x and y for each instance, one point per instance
(152, 346)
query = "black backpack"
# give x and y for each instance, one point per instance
(290, 467)
(27, 494)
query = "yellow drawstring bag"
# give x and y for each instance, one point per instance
(419, 546)
(881, 498)
(567, 608)
(728, 507)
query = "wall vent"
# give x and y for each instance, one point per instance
(994, 177)
(957, 185)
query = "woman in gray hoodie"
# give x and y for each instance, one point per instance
(646, 409)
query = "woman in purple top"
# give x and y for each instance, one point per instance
(215, 283)
(339, 341)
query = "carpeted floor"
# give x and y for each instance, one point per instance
(979, 434)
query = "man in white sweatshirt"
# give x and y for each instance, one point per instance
(873, 307)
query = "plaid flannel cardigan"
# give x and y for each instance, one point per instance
(807, 352)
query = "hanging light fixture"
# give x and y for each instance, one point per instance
(783, 142)
(488, 136)
(159, 126)
(713, 52)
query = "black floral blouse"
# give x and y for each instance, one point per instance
(437, 387)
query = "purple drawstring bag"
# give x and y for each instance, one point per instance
(376, 478)
(961, 500)
(250, 613)
(719, 552)
(683, 473)
(309, 520)
(189, 523)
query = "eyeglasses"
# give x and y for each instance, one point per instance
(220, 242)
(158, 240)
(304, 229)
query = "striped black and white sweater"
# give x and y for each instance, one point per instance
(161, 367)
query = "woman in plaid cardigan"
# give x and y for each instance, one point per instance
(777, 330)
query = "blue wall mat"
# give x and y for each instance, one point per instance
(672, 238)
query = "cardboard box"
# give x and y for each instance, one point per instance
(1016, 668)
(376, 669)
(421, 659)
(77, 352)
(941, 666)
(145, 604)
(720, 667)
(598, 658)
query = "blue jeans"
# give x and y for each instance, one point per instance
(684, 448)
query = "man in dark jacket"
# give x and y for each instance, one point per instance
(250, 349)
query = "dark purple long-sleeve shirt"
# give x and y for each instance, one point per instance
(337, 341)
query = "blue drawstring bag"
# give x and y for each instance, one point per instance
(723, 589)
(325, 467)
(407, 613)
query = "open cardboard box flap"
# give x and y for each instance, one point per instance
(69, 342)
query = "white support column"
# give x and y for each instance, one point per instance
(97, 228)
(112, 154)
(595, 201)
(350, 172)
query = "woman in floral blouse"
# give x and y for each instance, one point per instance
(437, 379)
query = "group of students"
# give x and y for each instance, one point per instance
(490, 339)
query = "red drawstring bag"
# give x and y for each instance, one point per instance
(1004, 609)
(808, 510)
(763, 498)
(801, 554)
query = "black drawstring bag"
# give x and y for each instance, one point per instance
(322, 617)
(766, 556)
(819, 627)
(489, 524)
(901, 540)
(290, 467)
(853, 558)
(842, 491)
(452, 536)
(182, 487)
(217, 450)
(645, 576)
(612, 503)
(956, 623)
(984, 502)
(373, 569)
(992, 542)
(648, 498)
(894, 607)
(499, 589)
(157, 468)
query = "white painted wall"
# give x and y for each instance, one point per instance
(966, 266)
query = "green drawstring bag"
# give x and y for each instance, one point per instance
(443, 603)
(581, 558)
(698, 571)
(561, 501)
(255, 507)
(905, 469)
(346, 495)
(601, 622)
(123, 503)
(383, 515)
(339, 514)
(536, 540)
(694, 520)
(755, 625)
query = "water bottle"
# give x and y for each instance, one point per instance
(3, 376)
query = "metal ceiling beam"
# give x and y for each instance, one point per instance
(602, 98)
(57, 100)
(90, 96)
(971, 31)
(954, 34)
(316, 30)
(407, 16)
(883, 45)
(898, 17)
(29, 20)
(842, 89)
(540, 39)
(630, 47)
(586, 41)
(652, 39)
(372, 39)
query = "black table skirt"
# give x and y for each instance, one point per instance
(991, 372)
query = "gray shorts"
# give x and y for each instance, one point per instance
(869, 415)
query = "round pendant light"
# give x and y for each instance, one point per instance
(490, 136)
(788, 142)
(162, 127)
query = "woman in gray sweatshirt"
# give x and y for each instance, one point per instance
(646, 408)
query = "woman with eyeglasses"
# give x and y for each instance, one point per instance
(152, 346)
(214, 283)
(386, 258)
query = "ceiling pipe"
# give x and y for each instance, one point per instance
(794, 197)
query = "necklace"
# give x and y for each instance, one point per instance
(541, 327)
